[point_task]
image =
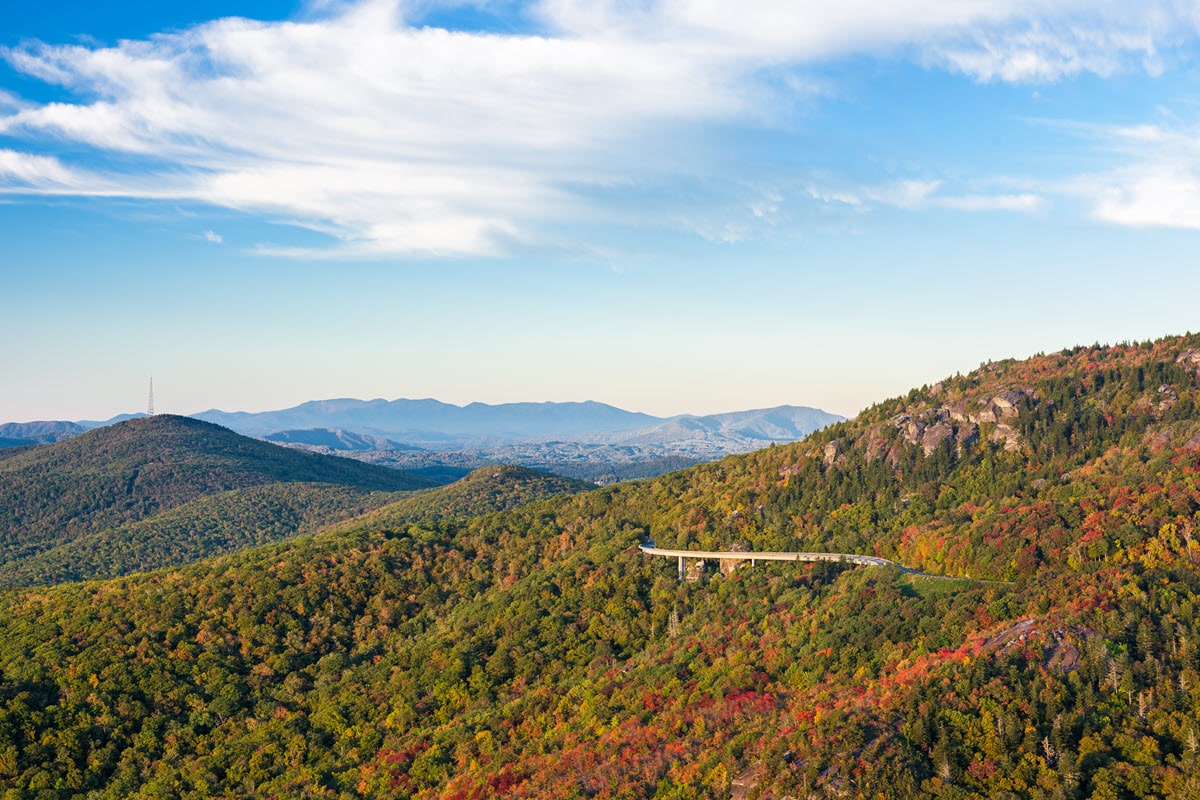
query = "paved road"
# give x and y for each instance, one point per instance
(850, 558)
(752, 557)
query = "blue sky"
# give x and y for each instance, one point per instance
(656, 205)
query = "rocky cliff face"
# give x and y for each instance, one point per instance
(958, 424)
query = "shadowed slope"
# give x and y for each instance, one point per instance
(52, 494)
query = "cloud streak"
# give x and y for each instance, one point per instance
(395, 139)
(401, 139)
(36, 173)
(1159, 183)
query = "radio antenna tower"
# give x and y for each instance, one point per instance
(150, 405)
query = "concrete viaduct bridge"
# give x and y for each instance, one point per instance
(753, 557)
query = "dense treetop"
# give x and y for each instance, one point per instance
(536, 653)
(483, 491)
(207, 526)
(85, 486)
(217, 521)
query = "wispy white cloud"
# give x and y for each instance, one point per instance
(916, 195)
(1012, 40)
(28, 174)
(780, 29)
(1153, 197)
(22, 171)
(1104, 42)
(824, 194)
(398, 138)
(9, 102)
(1025, 202)
(214, 237)
(907, 194)
(1157, 183)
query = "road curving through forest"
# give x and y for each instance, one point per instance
(753, 557)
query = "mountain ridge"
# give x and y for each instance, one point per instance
(401, 417)
(41, 432)
(536, 652)
(598, 456)
(237, 519)
(434, 421)
(585, 440)
(123, 473)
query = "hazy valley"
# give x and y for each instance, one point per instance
(589, 441)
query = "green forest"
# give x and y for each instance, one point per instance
(168, 490)
(504, 637)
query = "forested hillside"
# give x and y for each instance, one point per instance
(225, 521)
(87, 487)
(483, 491)
(537, 653)
(239, 518)
(207, 526)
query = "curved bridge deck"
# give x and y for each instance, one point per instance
(752, 557)
(849, 558)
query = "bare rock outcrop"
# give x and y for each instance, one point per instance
(957, 411)
(1007, 403)
(957, 421)
(1062, 654)
(1189, 359)
(1161, 439)
(876, 444)
(746, 781)
(934, 435)
(1059, 645)
(912, 431)
(1167, 396)
(893, 456)
(1004, 406)
(967, 436)
(1006, 435)
(987, 414)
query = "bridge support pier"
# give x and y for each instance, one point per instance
(682, 571)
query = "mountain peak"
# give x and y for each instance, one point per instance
(1076, 649)
(134, 469)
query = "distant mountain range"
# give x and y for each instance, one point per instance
(740, 430)
(587, 440)
(17, 434)
(336, 440)
(590, 441)
(432, 425)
